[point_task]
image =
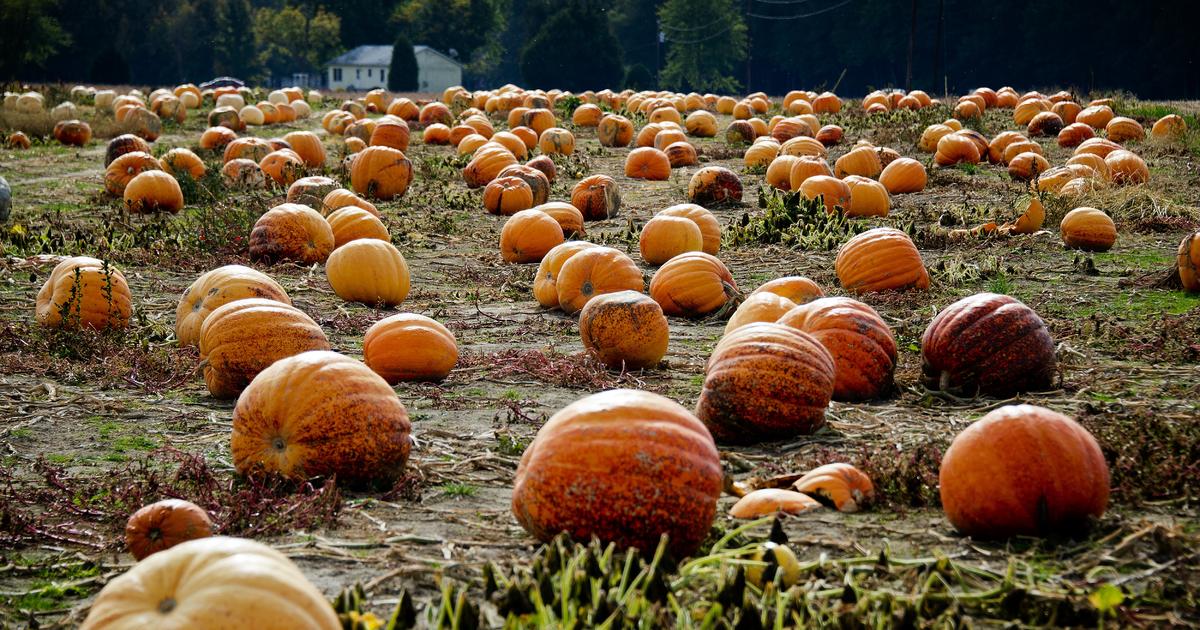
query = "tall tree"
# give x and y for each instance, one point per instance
(31, 36)
(289, 41)
(234, 50)
(706, 44)
(574, 50)
(466, 29)
(635, 24)
(403, 73)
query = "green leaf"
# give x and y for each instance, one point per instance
(1107, 598)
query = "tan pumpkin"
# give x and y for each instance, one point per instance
(216, 288)
(410, 347)
(241, 173)
(624, 330)
(693, 284)
(368, 270)
(1088, 229)
(291, 232)
(545, 283)
(860, 342)
(880, 259)
(241, 338)
(868, 198)
(84, 292)
(595, 271)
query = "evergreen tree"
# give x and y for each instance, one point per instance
(638, 77)
(706, 42)
(574, 50)
(31, 35)
(635, 25)
(234, 51)
(402, 75)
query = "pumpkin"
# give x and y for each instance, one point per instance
(990, 344)
(903, 175)
(955, 148)
(216, 288)
(528, 235)
(1045, 124)
(311, 191)
(647, 163)
(768, 501)
(833, 192)
(595, 271)
(710, 229)
(1126, 167)
(779, 172)
(1093, 161)
(1088, 229)
(666, 236)
(308, 146)
(740, 132)
(163, 525)
(693, 284)
(380, 172)
(1031, 220)
(586, 115)
(486, 164)
(545, 165)
(433, 113)
(1067, 110)
(436, 134)
(931, 136)
(568, 217)
(862, 161)
(18, 140)
(625, 466)
(765, 381)
(798, 289)
(241, 338)
(829, 135)
(681, 154)
(861, 344)
(392, 133)
(701, 124)
(1026, 166)
(124, 168)
(410, 347)
(538, 119)
(996, 147)
(759, 307)
(827, 103)
(545, 283)
(142, 123)
(840, 486)
(597, 197)
(339, 198)
(368, 270)
(1098, 146)
(1074, 134)
(204, 583)
(1122, 129)
(614, 131)
(250, 148)
(1188, 262)
(84, 292)
(178, 161)
(243, 173)
(539, 183)
(804, 167)
(556, 141)
(1095, 116)
(880, 259)
(282, 166)
(352, 223)
(1023, 470)
(1169, 126)
(624, 330)
(868, 198)
(507, 195)
(291, 232)
(153, 191)
(761, 154)
(714, 185)
(73, 133)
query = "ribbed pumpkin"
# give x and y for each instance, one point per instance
(241, 338)
(545, 165)
(833, 192)
(1088, 229)
(120, 145)
(597, 197)
(319, 414)
(162, 525)
(308, 146)
(1169, 126)
(804, 167)
(710, 228)
(647, 163)
(681, 154)
(701, 124)
(291, 232)
(206, 582)
(860, 342)
(545, 284)
(862, 161)
(759, 307)
(539, 182)
(1126, 168)
(1045, 124)
(761, 154)
(595, 271)
(311, 191)
(528, 235)
(868, 198)
(625, 466)
(665, 236)
(340, 198)
(714, 185)
(390, 132)
(956, 148)
(1074, 134)
(903, 175)
(368, 270)
(486, 164)
(693, 284)
(779, 172)
(766, 381)
(1023, 470)
(587, 115)
(73, 133)
(990, 344)
(614, 131)
(507, 195)
(1122, 129)
(124, 168)
(380, 172)
(556, 141)
(1188, 262)
(177, 162)
(795, 288)
(153, 191)
(1026, 166)
(216, 288)
(410, 347)
(624, 330)
(881, 259)
(568, 217)
(84, 292)
(352, 223)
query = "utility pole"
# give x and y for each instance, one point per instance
(912, 40)
(749, 46)
(938, 70)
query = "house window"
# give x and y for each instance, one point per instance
(337, 74)
(383, 75)
(368, 73)
(358, 73)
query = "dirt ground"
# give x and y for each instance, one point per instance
(91, 424)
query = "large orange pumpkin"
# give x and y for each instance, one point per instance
(319, 414)
(665, 236)
(84, 292)
(624, 330)
(625, 466)
(241, 338)
(987, 343)
(538, 181)
(714, 185)
(352, 223)
(308, 146)
(180, 161)
(1023, 470)
(759, 307)
(710, 228)
(1088, 229)
(410, 347)
(120, 145)
(881, 259)
(528, 235)
(766, 381)
(381, 172)
(368, 270)
(216, 288)
(693, 284)
(163, 525)
(291, 231)
(153, 191)
(614, 131)
(795, 288)
(597, 197)
(903, 175)
(595, 271)
(124, 168)
(545, 283)
(860, 342)
(487, 163)
(647, 163)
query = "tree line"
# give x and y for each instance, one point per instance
(702, 45)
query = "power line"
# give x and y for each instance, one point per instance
(682, 29)
(702, 39)
(782, 1)
(802, 15)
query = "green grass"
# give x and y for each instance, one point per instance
(458, 489)
(1142, 305)
(1140, 260)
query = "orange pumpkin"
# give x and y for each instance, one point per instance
(1127, 168)
(666, 236)
(410, 347)
(84, 292)
(243, 173)
(710, 228)
(586, 115)
(833, 192)
(352, 223)
(840, 486)
(528, 235)
(124, 168)
(956, 148)
(1023, 470)
(539, 183)
(624, 330)
(768, 501)
(614, 131)
(381, 172)
(1188, 262)
(283, 166)
(597, 197)
(804, 167)
(556, 141)
(241, 338)
(340, 198)
(862, 161)
(1074, 134)
(216, 288)
(486, 164)
(759, 307)
(1088, 229)
(1169, 126)
(368, 270)
(436, 134)
(693, 284)
(860, 342)
(250, 148)
(798, 289)
(881, 259)
(625, 466)
(545, 283)
(868, 198)
(153, 191)
(291, 232)
(903, 175)
(765, 381)
(163, 525)
(179, 161)
(647, 163)
(1026, 166)
(681, 154)
(595, 271)
(507, 195)
(714, 185)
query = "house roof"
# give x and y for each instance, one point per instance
(378, 56)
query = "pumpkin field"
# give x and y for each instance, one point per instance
(359, 360)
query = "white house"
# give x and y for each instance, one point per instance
(367, 67)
